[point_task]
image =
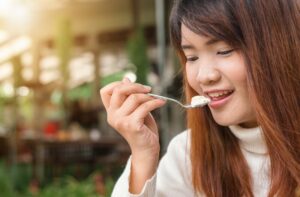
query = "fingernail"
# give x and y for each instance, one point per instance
(147, 87)
(125, 79)
(164, 101)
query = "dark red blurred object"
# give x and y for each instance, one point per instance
(51, 129)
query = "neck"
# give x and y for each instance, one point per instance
(249, 125)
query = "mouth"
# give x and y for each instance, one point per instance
(218, 97)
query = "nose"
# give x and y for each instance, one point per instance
(208, 74)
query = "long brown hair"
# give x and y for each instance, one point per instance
(267, 33)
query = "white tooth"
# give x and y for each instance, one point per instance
(218, 94)
(214, 94)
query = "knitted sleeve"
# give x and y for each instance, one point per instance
(172, 177)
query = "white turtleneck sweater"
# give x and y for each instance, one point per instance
(173, 176)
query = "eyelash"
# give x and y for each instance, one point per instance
(191, 59)
(225, 53)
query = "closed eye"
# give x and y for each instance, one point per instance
(225, 53)
(191, 59)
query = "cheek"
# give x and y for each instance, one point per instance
(235, 71)
(191, 78)
(237, 75)
(239, 69)
(238, 78)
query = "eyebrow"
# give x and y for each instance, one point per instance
(212, 41)
(209, 42)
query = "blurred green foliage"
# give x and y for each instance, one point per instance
(6, 182)
(118, 76)
(17, 184)
(70, 187)
(85, 90)
(137, 53)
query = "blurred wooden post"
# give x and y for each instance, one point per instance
(38, 166)
(63, 46)
(161, 59)
(17, 79)
(96, 102)
(96, 81)
(95, 49)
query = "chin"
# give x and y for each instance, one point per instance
(225, 123)
(220, 120)
(228, 122)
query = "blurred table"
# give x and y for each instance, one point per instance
(57, 155)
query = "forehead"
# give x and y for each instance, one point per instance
(190, 37)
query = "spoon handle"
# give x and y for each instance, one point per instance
(166, 98)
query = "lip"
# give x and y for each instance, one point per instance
(220, 102)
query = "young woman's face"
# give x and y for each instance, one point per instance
(218, 71)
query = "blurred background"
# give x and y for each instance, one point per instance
(55, 55)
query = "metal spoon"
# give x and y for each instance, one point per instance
(187, 106)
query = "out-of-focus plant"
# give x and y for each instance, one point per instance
(70, 187)
(93, 186)
(21, 176)
(109, 185)
(137, 54)
(14, 180)
(6, 186)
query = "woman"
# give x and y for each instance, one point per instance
(245, 56)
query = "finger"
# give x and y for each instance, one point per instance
(107, 91)
(143, 110)
(132, 102)
(150, 122)
(122, 91)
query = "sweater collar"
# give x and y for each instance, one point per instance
(250, 139)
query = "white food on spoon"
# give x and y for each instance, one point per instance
(199, 101)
